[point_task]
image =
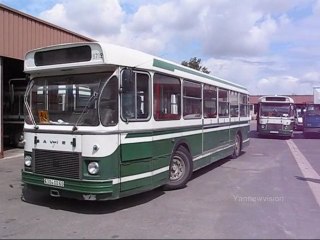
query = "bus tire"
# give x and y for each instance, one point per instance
(180, 169)
(26, 194)
(237, 146)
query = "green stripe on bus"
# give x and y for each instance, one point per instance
(148, 133)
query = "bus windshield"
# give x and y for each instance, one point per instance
(66, 100)
(275, 110)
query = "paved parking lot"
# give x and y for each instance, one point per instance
(262, 194)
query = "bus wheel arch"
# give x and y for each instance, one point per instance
(180, 143)
(180, 168)
(237, 145)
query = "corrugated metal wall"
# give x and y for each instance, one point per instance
(20, 33)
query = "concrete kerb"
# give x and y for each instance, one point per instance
(12, 153)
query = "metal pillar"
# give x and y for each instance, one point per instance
(1, 108)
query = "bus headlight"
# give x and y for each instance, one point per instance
(27, 160)
(263, 126)
(93, 168)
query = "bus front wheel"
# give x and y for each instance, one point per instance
(180, 169)
(237, 146)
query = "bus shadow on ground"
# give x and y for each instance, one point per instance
(110, 206)
(93, 207)
(296, 135)
(210, 167)
(254, 134)
(311, 136)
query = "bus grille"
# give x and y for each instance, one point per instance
(57, 164)
(274, 127)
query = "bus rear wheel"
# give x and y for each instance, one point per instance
(237, 146)
(180, 169)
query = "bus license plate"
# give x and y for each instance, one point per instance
(274, 131)
(53, 182)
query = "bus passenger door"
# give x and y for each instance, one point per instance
(135, 144)
(136, 160)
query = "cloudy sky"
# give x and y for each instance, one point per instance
(269, 46)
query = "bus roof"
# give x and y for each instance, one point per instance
(276, 99)
(77, 55)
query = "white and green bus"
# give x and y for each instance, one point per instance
(275, 116)
(104, 121)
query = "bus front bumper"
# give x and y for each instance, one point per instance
(283, 133)
(70, 188)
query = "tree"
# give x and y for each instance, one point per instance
(195, 64)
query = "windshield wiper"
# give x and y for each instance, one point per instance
(93, 98)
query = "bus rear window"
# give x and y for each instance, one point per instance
(61, 56)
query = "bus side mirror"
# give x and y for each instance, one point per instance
(127, 80)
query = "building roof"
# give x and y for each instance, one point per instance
(20, 32)
(45, 22)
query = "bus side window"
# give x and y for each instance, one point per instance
(223, 103)
(234, 106)
(143, 104)
(135, 101)
(192, 100)
(167, 95)
(244, 106)
(209, 101)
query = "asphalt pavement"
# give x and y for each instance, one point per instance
(262, 194)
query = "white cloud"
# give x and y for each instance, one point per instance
(283, 85)
(311, 78)
(245, 71)
(94, 18)
(236, 30)
(264, 75)
(260, 44)
(233, 70)
(57, 14)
